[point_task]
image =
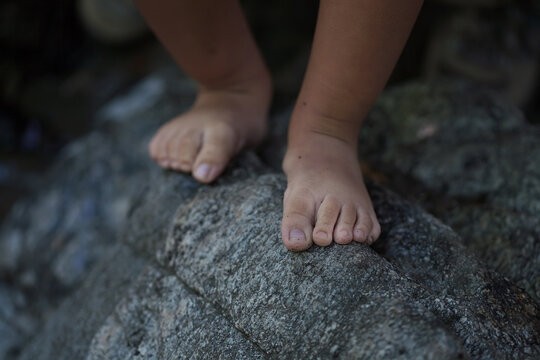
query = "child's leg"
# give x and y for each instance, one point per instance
(355, 47)
(211, 41)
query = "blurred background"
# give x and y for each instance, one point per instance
(61, 61)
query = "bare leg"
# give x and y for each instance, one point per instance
(355, 48)
(211, 41)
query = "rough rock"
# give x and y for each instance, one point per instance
(470, 160)
(162, 318)
(51, 240)
(166, 268)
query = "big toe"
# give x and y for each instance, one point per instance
(296, 228)
(183, 149)
(219, 145)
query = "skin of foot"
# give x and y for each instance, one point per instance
(220, 123)
(326, 200)
(211, 41)
(355, 48)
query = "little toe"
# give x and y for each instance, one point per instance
(218, 145)
(375, 230)
(343, 234)
(363, 226)
(183, 150)
(326, 221)
(153, 147)
(296, 223)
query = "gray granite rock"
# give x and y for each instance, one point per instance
(160, 318)
(142, 263)
(422, 295)
(15, 324)
(319, 302)
(51, 240)
(68, 330)
(10, 340)
(469, 159)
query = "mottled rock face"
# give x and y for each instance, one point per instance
(168, 268)
(470, 160)
(162, 318)
(332, 295)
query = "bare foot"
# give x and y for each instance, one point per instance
(326, 199)
(220, 123)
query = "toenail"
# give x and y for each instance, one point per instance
(296, 235)
(344, 233)
(202, 171)
(360, 233)
(164, 163)
(322, 233)
(174, 165)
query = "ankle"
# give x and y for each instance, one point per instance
(311, 149)
(255, 90)
(308, 120)
(250, 81)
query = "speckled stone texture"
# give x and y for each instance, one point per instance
(164, 268)
(469, 159)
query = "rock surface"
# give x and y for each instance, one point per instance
(117, 259)
(466, 157)
(471, 161)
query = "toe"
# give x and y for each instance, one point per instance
(218, 145)
(298, 214)
(158, 146)
(375, 230)
(183, 149)
(326, 221)
(155, 147)
(343, 233)
(363, 226)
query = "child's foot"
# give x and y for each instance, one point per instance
(326, 199)
(218, 126)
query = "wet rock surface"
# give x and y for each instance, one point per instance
(115, 258)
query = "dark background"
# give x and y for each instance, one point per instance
(60, 61)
